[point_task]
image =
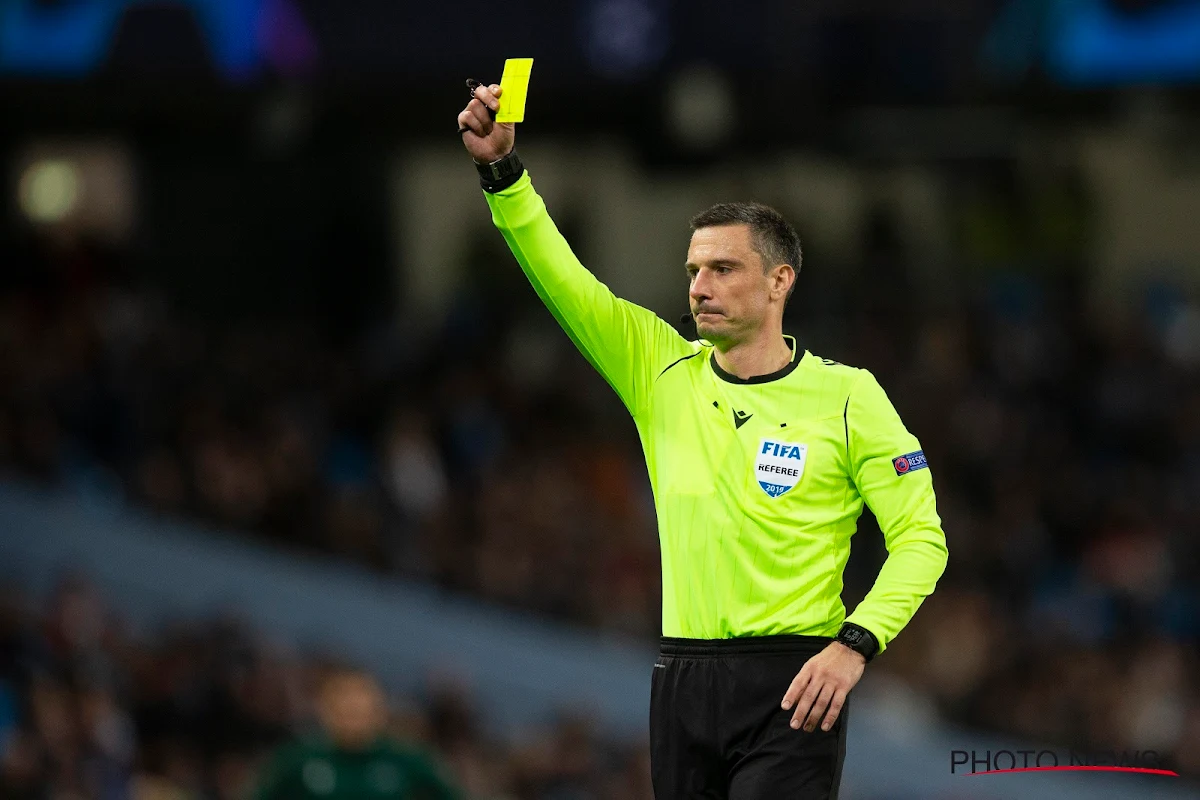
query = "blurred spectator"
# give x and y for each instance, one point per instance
(352, 757)
(207, 710)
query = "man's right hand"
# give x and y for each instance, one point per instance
(485, 139)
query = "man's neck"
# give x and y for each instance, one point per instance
(769, 352)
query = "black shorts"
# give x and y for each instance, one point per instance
(717, 730)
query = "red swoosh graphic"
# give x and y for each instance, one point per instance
(1140, 770)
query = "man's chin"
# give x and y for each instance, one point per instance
(711, 327)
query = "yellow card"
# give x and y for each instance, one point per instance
(515, 83)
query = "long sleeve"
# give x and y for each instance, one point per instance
(894, 480)
(627, 344)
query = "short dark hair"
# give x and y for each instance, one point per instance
(773, 237)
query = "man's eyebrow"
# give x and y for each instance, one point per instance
(717, 262)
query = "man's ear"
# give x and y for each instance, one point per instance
(780, 275)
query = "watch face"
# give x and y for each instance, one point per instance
(851, 636)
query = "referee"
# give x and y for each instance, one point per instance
(761, 456)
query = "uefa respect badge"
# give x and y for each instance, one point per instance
(910, 462)
(779, 465)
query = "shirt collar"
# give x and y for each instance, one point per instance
(728, 377)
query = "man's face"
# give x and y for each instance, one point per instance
(729, 294)
(353, 710)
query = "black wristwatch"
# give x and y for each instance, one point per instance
(501, 173)
(858, 639)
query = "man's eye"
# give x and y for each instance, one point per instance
(723, 270)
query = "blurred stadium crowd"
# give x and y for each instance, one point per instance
(90, 708)
(1065, 446)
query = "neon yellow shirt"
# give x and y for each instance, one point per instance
(758, 484)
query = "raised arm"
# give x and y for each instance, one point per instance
(627, 344)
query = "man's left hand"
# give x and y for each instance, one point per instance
(823, 684)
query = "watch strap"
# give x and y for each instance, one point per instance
(858, 639)
(500, 174)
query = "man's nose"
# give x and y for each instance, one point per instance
(699, 288)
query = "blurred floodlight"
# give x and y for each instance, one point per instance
(49, 190)
(700, 109)
(86, 184)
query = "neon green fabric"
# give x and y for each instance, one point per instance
(758, 485)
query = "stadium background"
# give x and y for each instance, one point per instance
(272, 391)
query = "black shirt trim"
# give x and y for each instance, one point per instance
(728, 377)
(676, 361)
(846, 423)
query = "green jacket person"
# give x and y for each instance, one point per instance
(761, 457)
(352, 759)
